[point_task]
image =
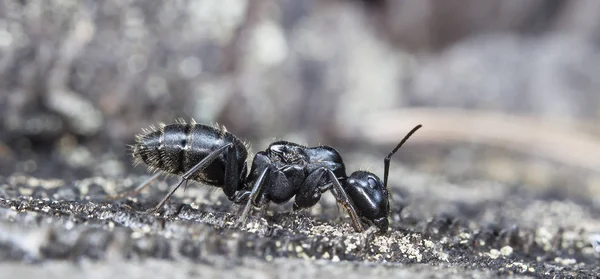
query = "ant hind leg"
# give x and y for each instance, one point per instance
(189, 174)
(232, 174)
(256, 190)
(136, 190)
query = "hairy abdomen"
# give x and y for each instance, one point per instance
(176, 148)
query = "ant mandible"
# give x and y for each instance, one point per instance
(213, 156)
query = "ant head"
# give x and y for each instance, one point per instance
(370, 197)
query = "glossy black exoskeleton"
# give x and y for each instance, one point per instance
(213, 156)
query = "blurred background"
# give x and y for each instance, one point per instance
(507, 91)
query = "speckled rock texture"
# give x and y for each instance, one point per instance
(502, 181)
(474, 228)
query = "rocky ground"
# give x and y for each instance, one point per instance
(440, 228)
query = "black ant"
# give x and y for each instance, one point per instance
(213, 156)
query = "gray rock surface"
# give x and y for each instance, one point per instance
(473, 229)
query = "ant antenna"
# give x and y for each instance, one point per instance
(386, 161)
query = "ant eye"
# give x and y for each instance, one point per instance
(372, 183)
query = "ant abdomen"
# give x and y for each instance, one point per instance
(176, 148)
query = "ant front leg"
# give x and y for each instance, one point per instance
(315, 184)
(189, 174)
(342, 198)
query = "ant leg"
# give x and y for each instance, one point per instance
(256, 189)
(342, 197)
(232, 173)
(310, 191)
(137, 189)
(187, 175)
